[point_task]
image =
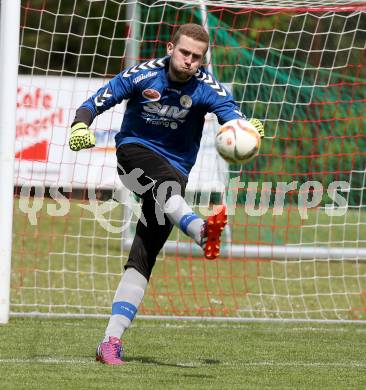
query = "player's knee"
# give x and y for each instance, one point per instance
(162, 193)
(164, 190)
(143, 268)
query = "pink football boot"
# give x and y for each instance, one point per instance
(110, 352)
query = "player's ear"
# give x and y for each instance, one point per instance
(169, 48)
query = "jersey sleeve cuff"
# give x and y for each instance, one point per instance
(83, 115)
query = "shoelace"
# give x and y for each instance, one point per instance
(116, 348)
(112, 349)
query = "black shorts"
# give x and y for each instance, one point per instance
(147, 174)
(155, 180)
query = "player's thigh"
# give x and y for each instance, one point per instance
(148, 174)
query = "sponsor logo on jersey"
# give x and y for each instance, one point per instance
(137, 79)
(186, 101)
(151, 94)
(162, 122)
(166, 111)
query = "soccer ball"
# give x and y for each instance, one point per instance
(238, 141)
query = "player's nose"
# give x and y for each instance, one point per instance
(188, 61)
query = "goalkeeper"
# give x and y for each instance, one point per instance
(156, 149)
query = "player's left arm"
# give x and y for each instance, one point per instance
(223, 105)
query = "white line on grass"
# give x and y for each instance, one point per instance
(246, 326)
(304, 364)
(46, 360)
(194, 364)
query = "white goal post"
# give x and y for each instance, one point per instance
(9, 49)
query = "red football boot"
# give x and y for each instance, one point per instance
(211, 233)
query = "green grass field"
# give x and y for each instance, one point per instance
(72, 264)
(59, 354)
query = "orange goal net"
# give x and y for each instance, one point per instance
(295, 244)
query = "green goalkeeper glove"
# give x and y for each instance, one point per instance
(81, 137)
(258, 125)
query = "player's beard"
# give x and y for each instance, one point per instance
(181, 74)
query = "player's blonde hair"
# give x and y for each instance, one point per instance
(191, 30)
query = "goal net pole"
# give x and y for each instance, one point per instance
(9, 48)
(273, 252)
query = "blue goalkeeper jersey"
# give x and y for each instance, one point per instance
(163, 115)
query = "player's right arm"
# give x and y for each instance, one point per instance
(221, 102)
(116, 90)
